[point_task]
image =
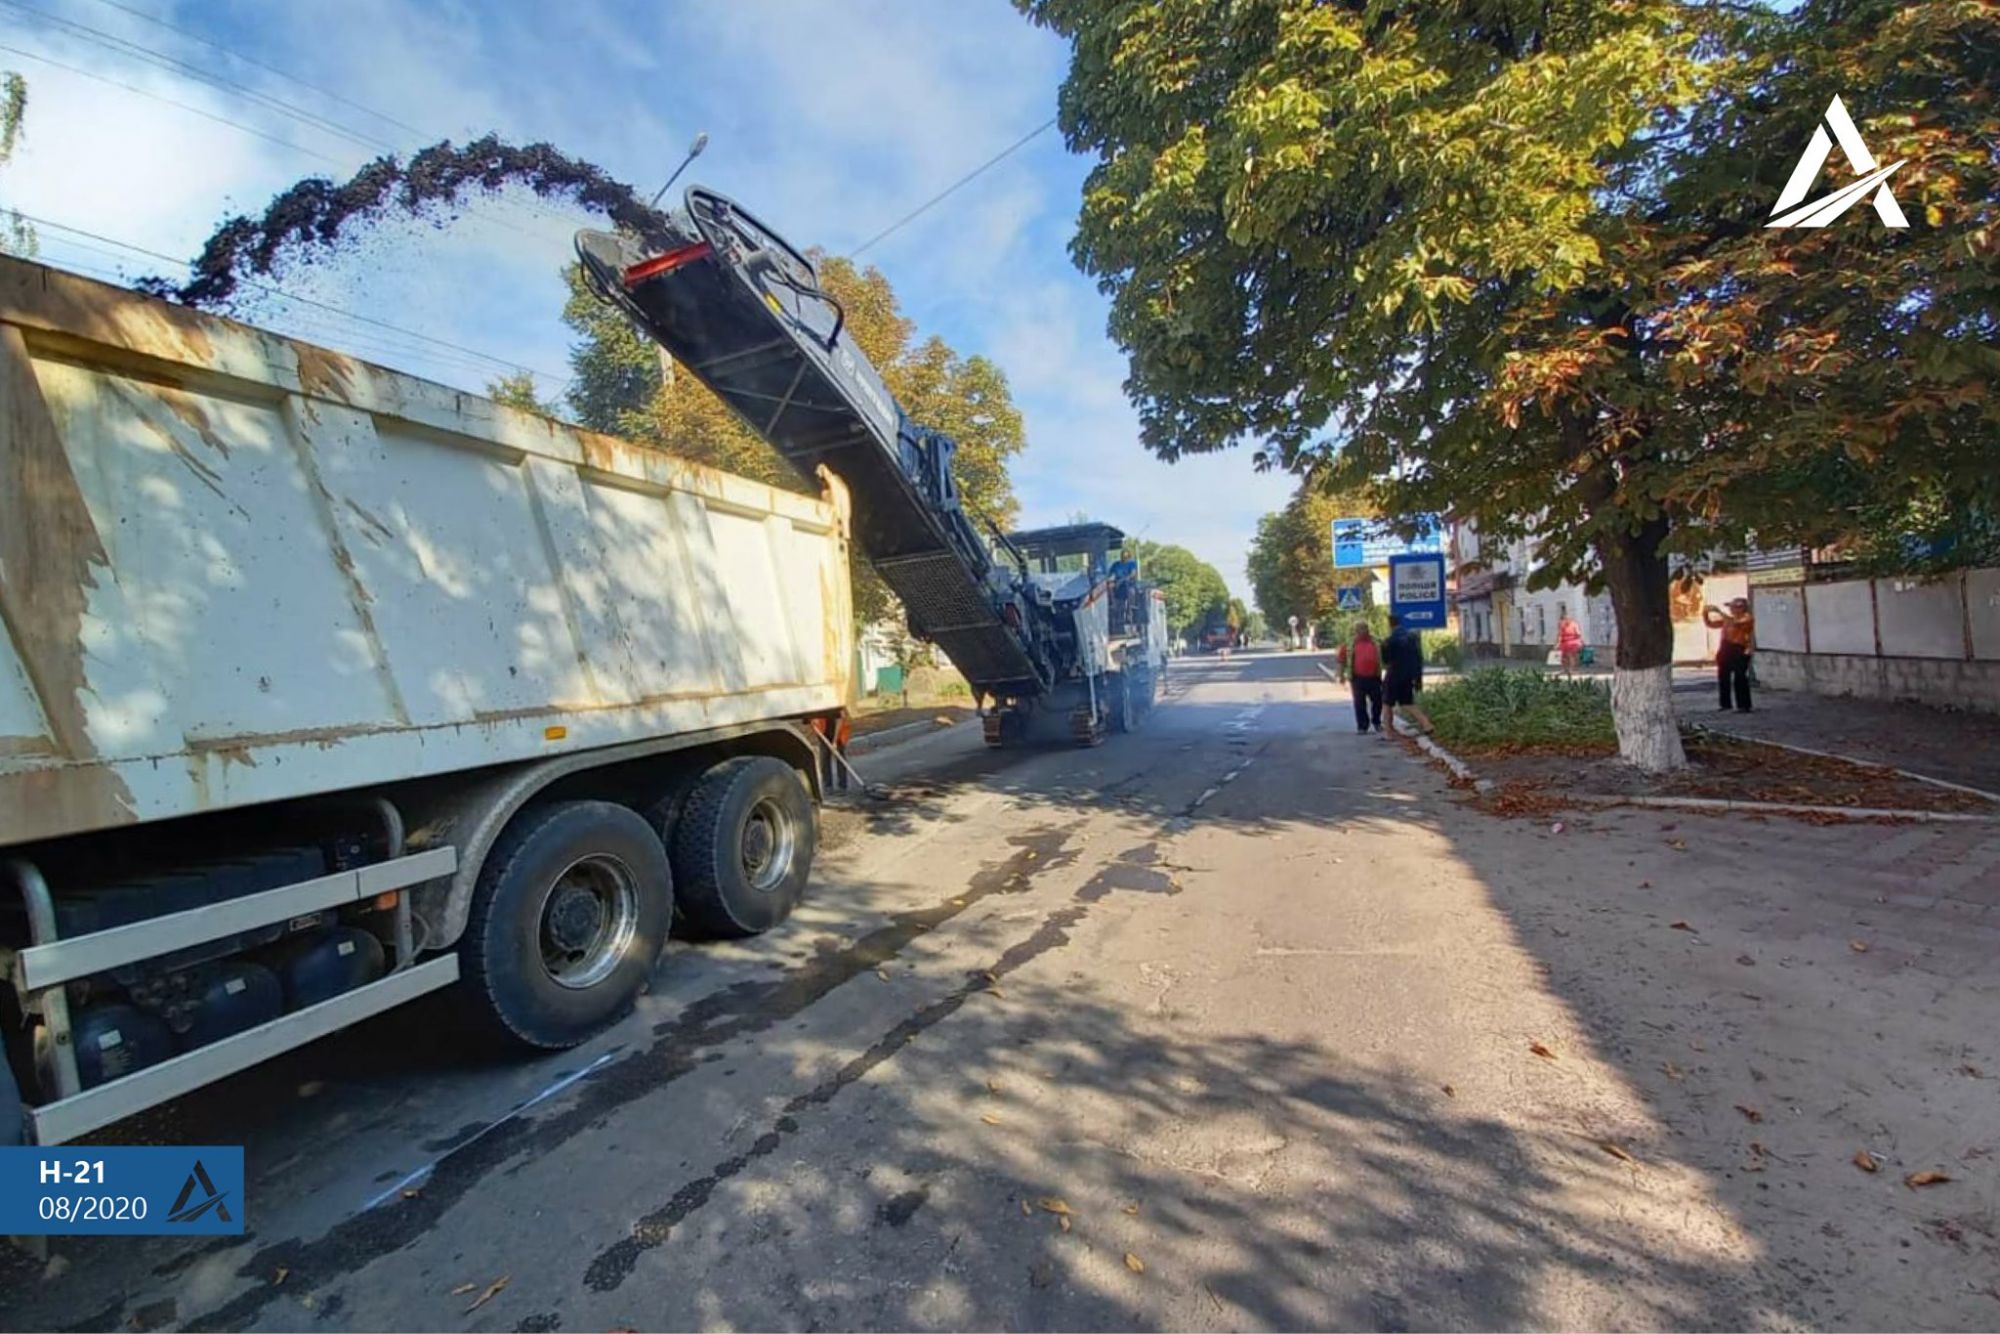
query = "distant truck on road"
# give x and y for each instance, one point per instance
(323, 687)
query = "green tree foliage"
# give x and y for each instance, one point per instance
(1194, 588)
(16, 236)
(624, 386)
(1508, 258)
(517, 391)
(1291, 558)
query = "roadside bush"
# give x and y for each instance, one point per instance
(1511, 706)
(1441, 649)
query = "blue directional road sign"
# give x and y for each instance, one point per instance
(1348, 598)
(1416, 589)
(1362, 543)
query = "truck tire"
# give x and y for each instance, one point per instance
(744, 845)
(570, 913)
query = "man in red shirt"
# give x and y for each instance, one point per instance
(1364, 678)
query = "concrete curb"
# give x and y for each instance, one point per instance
(1459, 768)
(1781, 808)
(1849, 759)
(870, 742)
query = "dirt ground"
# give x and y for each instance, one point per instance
(1730, 768)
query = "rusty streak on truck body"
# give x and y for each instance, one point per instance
(236, 569)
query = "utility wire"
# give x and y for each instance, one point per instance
(327, 93)
(157, 97)
(99, 37)
(302, 300)
(953, 188)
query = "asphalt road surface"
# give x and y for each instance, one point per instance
(1240, 1021)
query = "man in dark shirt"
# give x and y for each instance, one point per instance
(1402, 676)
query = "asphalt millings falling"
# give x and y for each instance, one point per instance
(319, 216)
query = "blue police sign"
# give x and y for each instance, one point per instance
(1416, 589)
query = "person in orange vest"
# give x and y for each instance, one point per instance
(1365, 679)
(1732, 656)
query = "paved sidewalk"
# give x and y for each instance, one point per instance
(1955, 746)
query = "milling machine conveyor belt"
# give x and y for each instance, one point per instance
(743, 312)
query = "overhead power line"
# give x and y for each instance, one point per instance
(500, 362)
(148, 55)
(953, 188)
(234, 54)
(168, 101)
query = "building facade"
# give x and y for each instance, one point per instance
(1499, 616)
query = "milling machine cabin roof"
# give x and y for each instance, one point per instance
(1045, 546)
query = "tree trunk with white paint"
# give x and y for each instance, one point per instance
(1642, 708)
(1642, 688)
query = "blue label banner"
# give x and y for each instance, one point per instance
(81, 1189)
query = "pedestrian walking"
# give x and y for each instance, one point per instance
(1569, 642)
(1403, 675)
(1365, 680)
(1732, 657)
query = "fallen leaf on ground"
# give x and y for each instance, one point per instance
(1867, 1161)
(1026, 1212)
(1970, 1071)
(1134, 1263)
(1062, 1221)
(1541, 1051)
(279, 1277)
(882, 973)
(1449, 1091)
(1673, 1072)
(989, 975)
(1916, 1179)
(995, 993)
(411, 1192)
(1746, 961)
(992, 1086)
(1749, 1113)
(1130, 1209)
(462, 1289)
(990, 1119)
(1697, 1044)
(1858, 946)
(1618, 1151)
(1054, 1204)
(1556, 828)
(492, 1291)
(1677, 844)
(1679, 926)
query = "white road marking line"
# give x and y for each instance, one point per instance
(1206, 795)
(423, 1173)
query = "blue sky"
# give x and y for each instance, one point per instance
(831, 120)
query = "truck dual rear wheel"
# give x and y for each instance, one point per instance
(569, 916)
(743, 846)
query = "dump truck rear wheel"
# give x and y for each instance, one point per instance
(743, 847)
(571, 911)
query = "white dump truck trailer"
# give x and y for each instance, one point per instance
(323, 687)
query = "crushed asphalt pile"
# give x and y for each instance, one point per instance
(318, 215)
